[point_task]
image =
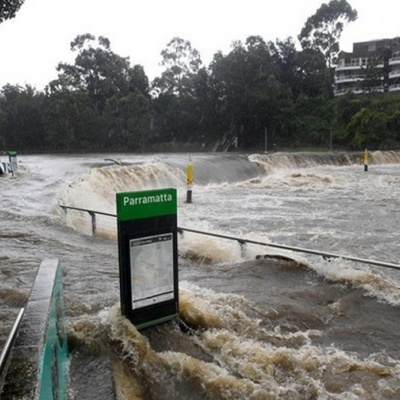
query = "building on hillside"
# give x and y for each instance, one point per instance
(372, 67)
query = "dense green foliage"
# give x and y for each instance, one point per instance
(260, 92)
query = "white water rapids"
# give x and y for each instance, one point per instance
(265, 328)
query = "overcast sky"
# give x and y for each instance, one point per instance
(38, 38)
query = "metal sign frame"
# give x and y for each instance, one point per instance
(148, 256)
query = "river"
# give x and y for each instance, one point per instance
(263, 324)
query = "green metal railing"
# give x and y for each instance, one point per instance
(243, 242)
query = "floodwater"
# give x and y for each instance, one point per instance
(260, 324)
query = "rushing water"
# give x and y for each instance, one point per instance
(266, 324)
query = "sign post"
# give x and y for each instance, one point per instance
(12, 155)
(189, 181)
(365, 160)
(148, 256)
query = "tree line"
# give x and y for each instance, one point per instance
(261, 95)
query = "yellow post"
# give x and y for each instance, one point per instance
(189, 181)
(365, 159)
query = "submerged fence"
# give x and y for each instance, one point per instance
(92, 215)
(243, 242)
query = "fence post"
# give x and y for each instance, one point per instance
(93, 215)
(243, 246)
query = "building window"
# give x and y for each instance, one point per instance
(372, 47)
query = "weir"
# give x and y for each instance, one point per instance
(293, 160)
(38, 362)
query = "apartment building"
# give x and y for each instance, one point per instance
(372, 67)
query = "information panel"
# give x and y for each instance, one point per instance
(152, 268)
(148, 255)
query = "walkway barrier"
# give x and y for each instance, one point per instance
(91, 213)
(243, 242)
(6, 351)
(38, 360)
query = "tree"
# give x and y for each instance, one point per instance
(394, 125)
(98, 71)
(313, 120)
(369, 129)
(373, 77)
(138, 80)
(23, 126)
(284, 54)
(251, 97)
(8, 9)
(176, 107)
(181, 63)
(322, 30)
(310, 72)
(98, 101)
(128, 119)
(2, 126)
(69, 121)
(207, 100)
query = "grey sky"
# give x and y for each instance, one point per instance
(33, 43)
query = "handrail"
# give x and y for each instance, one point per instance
(91, 213)
(88, 211)
(300, 249)
(10, 340)
(242, 242)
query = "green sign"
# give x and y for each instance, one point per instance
(146, 204)
(148, 255)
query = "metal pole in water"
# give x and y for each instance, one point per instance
(189, 181)
(365, 158)
(94, 227)
(5, 352)
(12, 155)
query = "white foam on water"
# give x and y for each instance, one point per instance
(362, 276)
(245, 350)
(96, 190)
(246, 361)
